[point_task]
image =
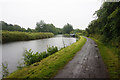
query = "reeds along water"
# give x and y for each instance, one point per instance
(8, 36)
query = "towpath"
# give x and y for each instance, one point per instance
(87, 63)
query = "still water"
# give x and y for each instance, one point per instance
(13, 52)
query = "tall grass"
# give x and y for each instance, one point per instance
(8, 36)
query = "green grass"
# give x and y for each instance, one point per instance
(9, 36)
(48, 67)
(110, 58)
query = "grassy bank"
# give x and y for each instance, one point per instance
(111, 59)
(8, 36)
(48, 67)
(115, 42)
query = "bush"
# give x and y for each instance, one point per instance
(66, 35)
(52, 50)
(30, 57)
(5, 69)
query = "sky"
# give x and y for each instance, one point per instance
(78, 13)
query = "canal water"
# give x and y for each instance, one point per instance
(12, 52)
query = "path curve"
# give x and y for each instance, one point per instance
(87, 63)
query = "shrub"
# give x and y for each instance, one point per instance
(5, 69)
(30, 57)
(52, 50)
(66, 35)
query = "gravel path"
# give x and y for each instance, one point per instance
(86, 64)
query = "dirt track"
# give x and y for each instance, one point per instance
(86, 64)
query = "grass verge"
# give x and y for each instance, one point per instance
(110, 58)
(48, 67)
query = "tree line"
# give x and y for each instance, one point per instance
(107, 25)
(41, 26)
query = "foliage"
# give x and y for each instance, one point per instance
(106, 29)
(5, 69)
(40, 27)
(8, 36)
(52, 50)
(76, 31)
(43, 27)
(107, 25)
(11, 27)
(67, 28)
(110, 58)
(30, 57)
(20, 65)
(0, 36)
(77, 35)
(79, 32)
(48, 67)
(59, 30)
(66, 35)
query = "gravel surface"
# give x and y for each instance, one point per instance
(87, 63)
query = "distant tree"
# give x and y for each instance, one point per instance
(9, 27)
(3, 25)
(23, 29)
(50, 28)
(29, 30)
(67, 28)
(16, 28)
(43, 27)
(59, 30)
(76, 31)
(39, 26)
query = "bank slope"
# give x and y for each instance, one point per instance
(48, 67)
(110, 58)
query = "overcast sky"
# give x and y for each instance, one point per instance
(26, 13)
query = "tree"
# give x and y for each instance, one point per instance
(59, 30)
(17, 28)
(107, 26)
(10, 27)
(43, 27)
(39, 26)
(4, 25)
(23, 30)
(29, 30)
(67, 28)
